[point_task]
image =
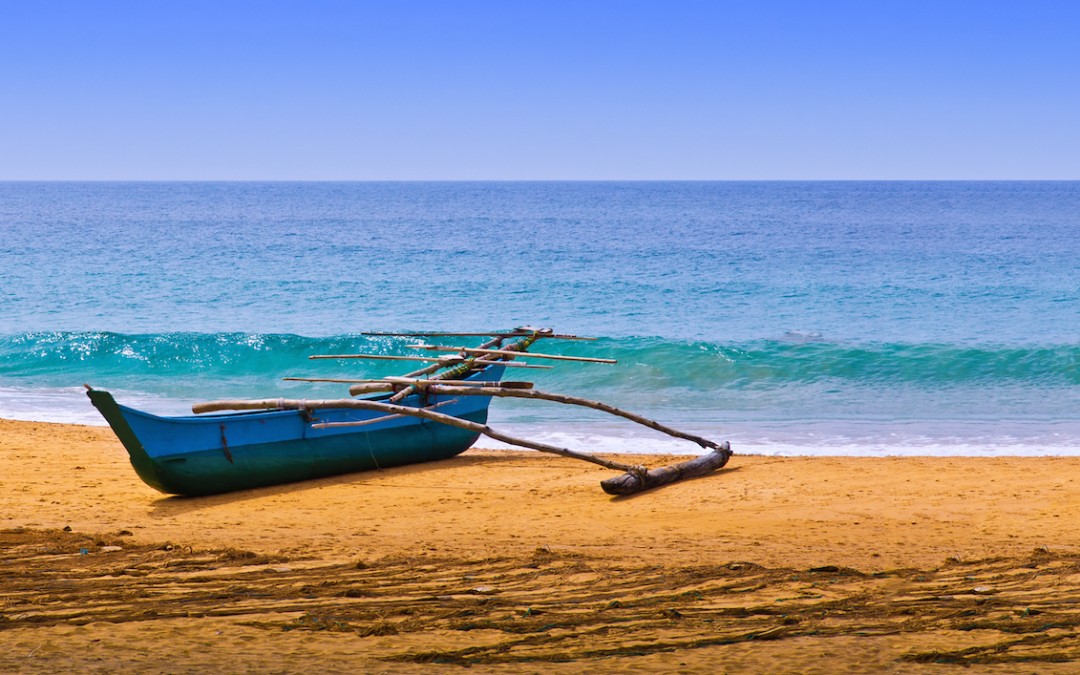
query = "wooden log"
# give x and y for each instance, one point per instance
(637, 480)
(508, 352)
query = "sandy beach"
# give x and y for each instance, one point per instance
(516, 561)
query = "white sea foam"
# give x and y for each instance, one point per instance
(841, 440)
(781, 439)
(69, 405)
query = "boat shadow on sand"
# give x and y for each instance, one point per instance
(172, 505)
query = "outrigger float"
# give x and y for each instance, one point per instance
(429, 414)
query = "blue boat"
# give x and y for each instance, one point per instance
(211, 454)
(273, 441)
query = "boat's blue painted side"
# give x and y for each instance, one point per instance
(208, 454)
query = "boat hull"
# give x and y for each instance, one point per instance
(212, 454)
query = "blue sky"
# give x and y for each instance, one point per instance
(518, 90)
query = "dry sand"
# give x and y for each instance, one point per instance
(507, 561)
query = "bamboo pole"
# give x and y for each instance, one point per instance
(469, 364)
(406, 387)
(326, 379)
(388, 357)
(390, 408)
(574, 400)
(522, 390)
(443, 361)
(368, 386)
(427, 370)
(431, 369)
(376, 420)
(508, 384)
(507, 352)
(501, 384)
(372, 388)
(524, 332)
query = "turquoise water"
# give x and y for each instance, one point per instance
(813, 318)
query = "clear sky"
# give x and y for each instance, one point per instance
(545, 89)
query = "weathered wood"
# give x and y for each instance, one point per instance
(242, 404)
(508, 384)
(375, 420)
(327, 379)
(501, 384)
(373, 388)
(574, 400)
(390, 408)
(391, 357)
(637, 480)
(470, 363)
(404, 387)
(441, 360)
(360, 388)
(427, 370)
(508, 352)
(525, 332)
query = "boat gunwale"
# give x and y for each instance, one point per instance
(249, 414)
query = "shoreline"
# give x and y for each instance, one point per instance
(880, 518)
(793, 438)
(80, 476)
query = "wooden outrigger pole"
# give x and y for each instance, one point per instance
(507, 352)
(634, 479)
(443, 361)
(523, 331)
(509, 384)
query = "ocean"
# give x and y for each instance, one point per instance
(790, 318)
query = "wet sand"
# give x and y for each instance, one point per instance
(508, 561)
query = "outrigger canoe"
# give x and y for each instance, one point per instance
(433, 413)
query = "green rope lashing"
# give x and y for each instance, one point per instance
(463, 368)
(458, 371)
(524, 343)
